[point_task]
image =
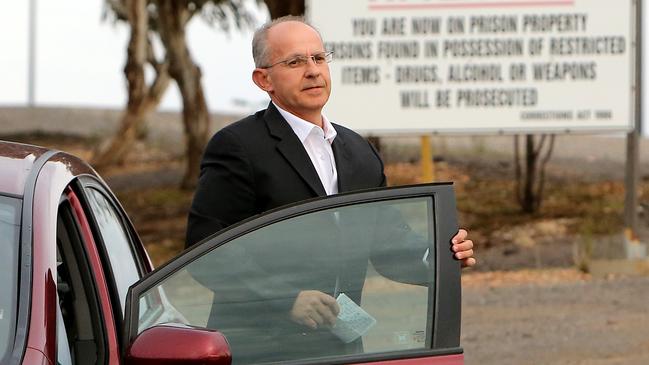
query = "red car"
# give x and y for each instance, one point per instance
(77, 287)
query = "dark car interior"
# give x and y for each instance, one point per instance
(76, 291)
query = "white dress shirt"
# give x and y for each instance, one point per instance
(317, 143)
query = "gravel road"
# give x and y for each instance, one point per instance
(571, 320)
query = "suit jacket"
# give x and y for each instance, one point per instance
(258, 163)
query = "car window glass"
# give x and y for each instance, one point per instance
(118, 245)
(9, 240)
(63, 356)
(371, 262)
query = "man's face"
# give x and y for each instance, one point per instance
(303, 90)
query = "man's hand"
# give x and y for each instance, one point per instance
(313, 308)
(463, 248)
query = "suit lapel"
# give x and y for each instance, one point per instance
(343, 161)
(292, 149)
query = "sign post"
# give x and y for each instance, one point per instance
(633, 246)
(426, 158)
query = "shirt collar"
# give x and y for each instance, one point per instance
(303, 128)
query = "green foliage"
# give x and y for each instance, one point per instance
(223, 14)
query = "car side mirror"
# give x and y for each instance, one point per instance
(178, 344)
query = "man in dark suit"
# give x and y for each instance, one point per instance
(288, 152)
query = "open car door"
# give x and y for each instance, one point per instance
(264, 291)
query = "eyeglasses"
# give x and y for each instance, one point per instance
(302, 60)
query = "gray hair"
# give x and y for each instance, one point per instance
(260, 48)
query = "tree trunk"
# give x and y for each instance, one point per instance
(530, 173)
(279, 8)
(530, 185)
(172, 19)
(141, 100)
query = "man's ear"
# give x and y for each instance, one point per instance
(261, 78)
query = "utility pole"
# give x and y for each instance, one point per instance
(31, 63)
(633, 144)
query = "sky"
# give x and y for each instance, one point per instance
(80, 58)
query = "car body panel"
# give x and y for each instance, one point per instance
(55, 175)
(438, 360)
(100, 280)
(179, 345)
(35, 357)
(34, 284)
(50, 184)
(19, 159)
(52, 179)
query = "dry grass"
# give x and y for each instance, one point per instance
(160, 216)
(486, 206)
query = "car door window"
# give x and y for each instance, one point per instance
(9, 241)
(116, 241)
(373, 261)
(63, 354)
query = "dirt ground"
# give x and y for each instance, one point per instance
(525, 303)
(554, 316)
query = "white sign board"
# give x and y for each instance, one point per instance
(472, 66)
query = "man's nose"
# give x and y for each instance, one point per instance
(312, 68)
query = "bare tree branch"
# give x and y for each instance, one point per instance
(539, 145)
(150, 53)
(119, 8)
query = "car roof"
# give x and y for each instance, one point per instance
(17, 161)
